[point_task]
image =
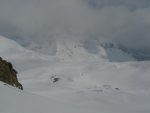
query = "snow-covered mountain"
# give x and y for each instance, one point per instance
(76, 79)
(83, 50)
(76, 56)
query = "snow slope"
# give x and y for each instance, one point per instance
(14, 101)
(83, 86)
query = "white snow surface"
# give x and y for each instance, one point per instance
(86, 83)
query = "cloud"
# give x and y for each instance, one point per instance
(42, 22)
(132, 5)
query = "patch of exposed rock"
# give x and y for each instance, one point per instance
(8, 74)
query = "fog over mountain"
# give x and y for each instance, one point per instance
(41, 23)
(75, 56)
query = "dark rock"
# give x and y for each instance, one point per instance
(8, 74)
(54, 79)
(117, 89)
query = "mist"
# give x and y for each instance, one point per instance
(44, 22)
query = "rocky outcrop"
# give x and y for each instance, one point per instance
(8, 74)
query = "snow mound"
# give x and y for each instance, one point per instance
(90, 51)
(115, 53)
(22, 58)
(76, 52)
(8, 44)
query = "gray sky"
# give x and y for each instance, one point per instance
(126, 22)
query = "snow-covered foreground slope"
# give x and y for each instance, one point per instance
(14, 101)
(83, 86)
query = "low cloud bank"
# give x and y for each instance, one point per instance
(43, 22)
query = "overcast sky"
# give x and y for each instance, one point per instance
(126, 22)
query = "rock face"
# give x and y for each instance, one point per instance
(8, 74)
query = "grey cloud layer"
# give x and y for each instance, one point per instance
(46, 20)
(131, 4)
